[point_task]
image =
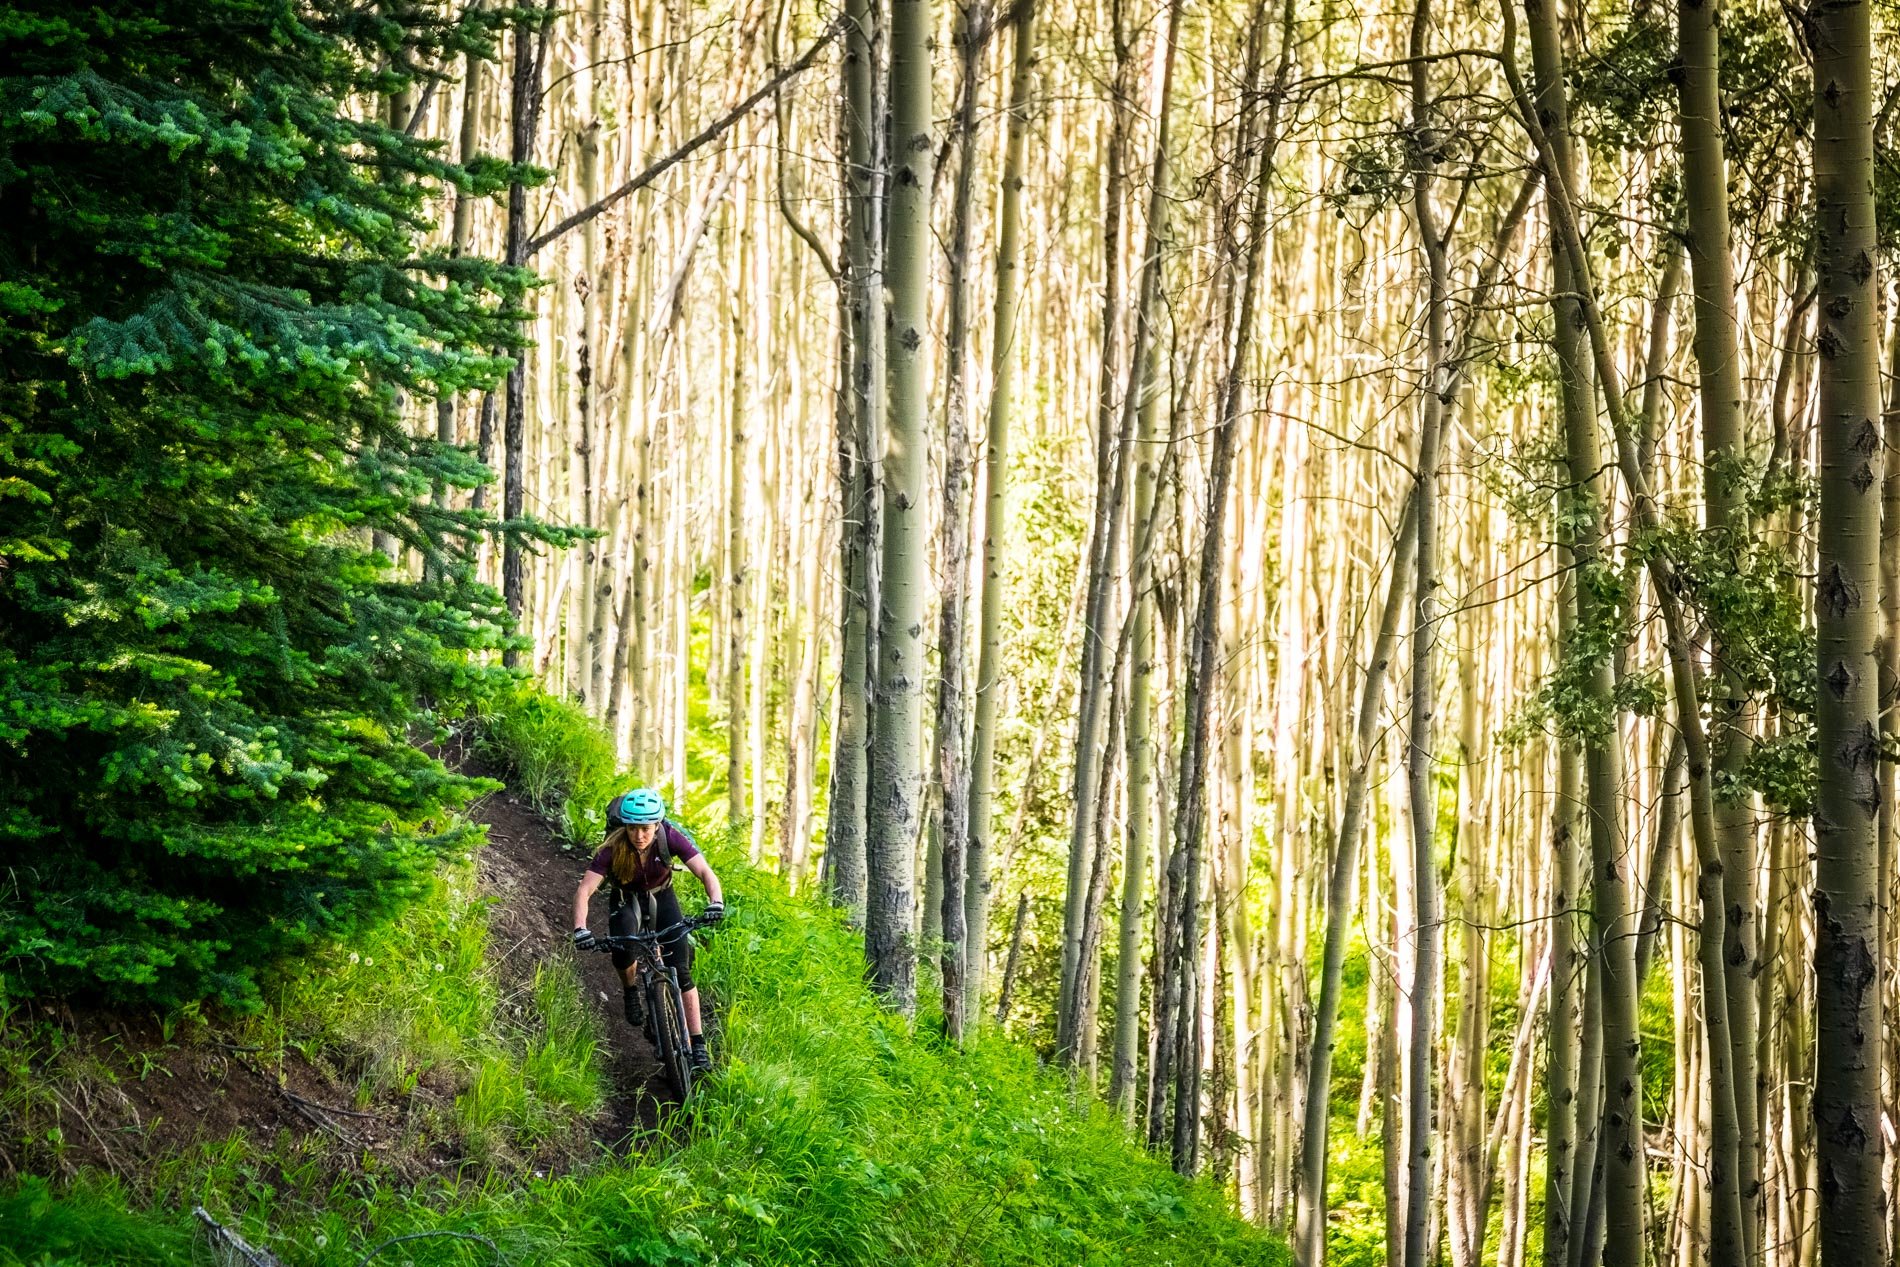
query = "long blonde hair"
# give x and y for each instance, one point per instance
(628, 859)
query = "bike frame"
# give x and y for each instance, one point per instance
(658, 979)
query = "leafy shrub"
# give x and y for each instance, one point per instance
(560, 759)
(210, 665)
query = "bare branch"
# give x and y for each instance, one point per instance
(705, 137)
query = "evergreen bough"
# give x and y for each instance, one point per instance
(216, 295)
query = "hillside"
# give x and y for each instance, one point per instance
(438, 1076)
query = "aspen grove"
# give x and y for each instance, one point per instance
(1334, 571)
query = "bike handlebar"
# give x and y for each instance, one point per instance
(615, 940)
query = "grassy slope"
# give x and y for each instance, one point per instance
(832, 1134)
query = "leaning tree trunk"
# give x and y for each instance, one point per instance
(1547, 122)
(1847, 587)
(1147, 315)
(995, 512)
(1718, 364)
(860, 425)
(896, 759)
(1110, 467)
(1309, 1236)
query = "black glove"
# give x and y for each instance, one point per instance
(583, 939)
(714, 912)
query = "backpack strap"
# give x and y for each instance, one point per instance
(668, 830)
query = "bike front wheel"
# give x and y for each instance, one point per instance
(670, 1041)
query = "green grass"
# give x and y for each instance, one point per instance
(418, 999)
(831, 1135)
(833, 1132)
(558, 758)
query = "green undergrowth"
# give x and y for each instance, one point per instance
(419, 1003)
(832, 1132)
(557, 758)
(467, 1062)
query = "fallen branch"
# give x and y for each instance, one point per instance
(323, 1121)
(294, 1098)
(229, 1246)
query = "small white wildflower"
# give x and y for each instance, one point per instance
(438, 967)
(369, 963)
(322, 1240)
(355, 958)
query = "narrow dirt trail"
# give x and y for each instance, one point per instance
(532, 879)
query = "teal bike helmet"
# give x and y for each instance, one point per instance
(640, 807)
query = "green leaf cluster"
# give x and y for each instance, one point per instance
(218, 298)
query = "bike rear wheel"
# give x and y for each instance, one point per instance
(670, 1041)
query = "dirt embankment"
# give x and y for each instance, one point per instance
(91, 1087)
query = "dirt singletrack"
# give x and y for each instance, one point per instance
(532, 879)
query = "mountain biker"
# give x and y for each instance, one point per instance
(635, 863)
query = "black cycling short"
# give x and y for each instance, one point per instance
(662, 911)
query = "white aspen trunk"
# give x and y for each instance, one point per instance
(734, 570)
(1004, 353)
(896, 762)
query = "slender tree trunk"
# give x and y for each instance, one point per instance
(1087, 1025)
(1726, 1219)
(1889, 952)
(1718, 362)
(1110, 464)
(1140, 748)
(1003, 356)
(1427, 929)
(1662, 857)
(1565, 1053)
(524, 111)
(596, 561)
(734, 589)
(1391, 1057)
(1847, 586)
(1191, 800)
(461, 227)
(860, 425)
(1015, 957)
(896, 762)
(1309, 1237)
(952, 765)
(1147, 315)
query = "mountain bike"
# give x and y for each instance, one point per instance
(659, 985)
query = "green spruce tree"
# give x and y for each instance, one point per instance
(216, 295)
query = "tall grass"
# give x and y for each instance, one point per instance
(417, 1000)
(558, 758)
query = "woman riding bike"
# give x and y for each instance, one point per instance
(636, 865)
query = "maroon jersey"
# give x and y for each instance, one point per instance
(668, 843)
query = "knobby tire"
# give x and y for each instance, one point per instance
(669, 1036)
